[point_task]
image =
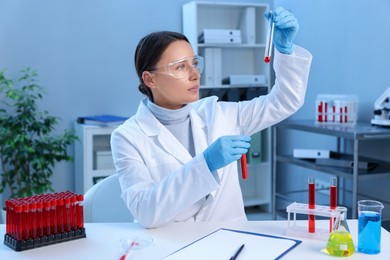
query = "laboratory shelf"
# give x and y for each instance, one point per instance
(380, 170)
(356, 133)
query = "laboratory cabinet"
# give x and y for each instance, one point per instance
(231, 37)
(241, 61)
(92, 155)
(355, 172)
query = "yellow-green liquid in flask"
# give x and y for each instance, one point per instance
(340, 243)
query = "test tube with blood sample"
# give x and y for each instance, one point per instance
(333, 198)
(270, 36)
(244, 167)
(312, 204)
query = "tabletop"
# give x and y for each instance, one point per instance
(103, 241)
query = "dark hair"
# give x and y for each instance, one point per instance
(149, 51)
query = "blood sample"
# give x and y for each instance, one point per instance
(8, 217)
(80, 211)
(40, 220)
(53, 215)
(312, 204)
(73, 211)
(60, 214)
(67, 214)
(244, 167)
(333, 198)
(46, 216)
(33, 219)
(18, 221)
(270, 36)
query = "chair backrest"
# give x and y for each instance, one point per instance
(103, 202)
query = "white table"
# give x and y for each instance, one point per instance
(102, 241)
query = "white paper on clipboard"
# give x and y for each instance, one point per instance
(222, 244)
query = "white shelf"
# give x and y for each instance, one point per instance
(92, 139)
(245, 58)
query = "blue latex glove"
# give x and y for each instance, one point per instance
(226, 150)
(286, 27)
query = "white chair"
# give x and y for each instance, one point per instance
(102, 202)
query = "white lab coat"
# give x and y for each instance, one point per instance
(160, 180)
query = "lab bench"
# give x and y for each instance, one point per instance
(356, 133)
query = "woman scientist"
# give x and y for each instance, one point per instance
(176, 156)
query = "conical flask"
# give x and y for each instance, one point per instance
(340, 241)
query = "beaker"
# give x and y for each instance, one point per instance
(369, 226)
(340, 241)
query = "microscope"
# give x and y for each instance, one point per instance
(382, 110)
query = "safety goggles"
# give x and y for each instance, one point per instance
(181, 69)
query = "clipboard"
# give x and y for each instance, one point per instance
(222, 244)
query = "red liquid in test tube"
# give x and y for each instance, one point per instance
(60, 214)
(39, 216)
(46, 217)
(26, 220)
(320, 111)
(18, 222)
(270, 36)
(333, 199)
(80, 211)
(67, 215)
(312, 204)
(244, 167)
(73, 210)
(326, 112)
(8, 217)
(33, 219)
(53, 216)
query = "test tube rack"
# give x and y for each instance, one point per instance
(43, 220)
(302, 231)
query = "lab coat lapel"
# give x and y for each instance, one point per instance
(171, 145)
(167, 141)
(199, 129)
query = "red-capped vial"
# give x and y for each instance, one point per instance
(46, 217)
(40, 218)
(80, 211)
(8, 210)
(60, 214)
(53, 216)
(67, 215)
(73, 209)
(18, 222)
(33, 219)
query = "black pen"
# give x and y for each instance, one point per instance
(237, 253)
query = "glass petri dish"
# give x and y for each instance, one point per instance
(135, 242)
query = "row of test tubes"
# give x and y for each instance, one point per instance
(336, 109)
(44, 215)
(312, 201)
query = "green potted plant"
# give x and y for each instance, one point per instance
(28, 148)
